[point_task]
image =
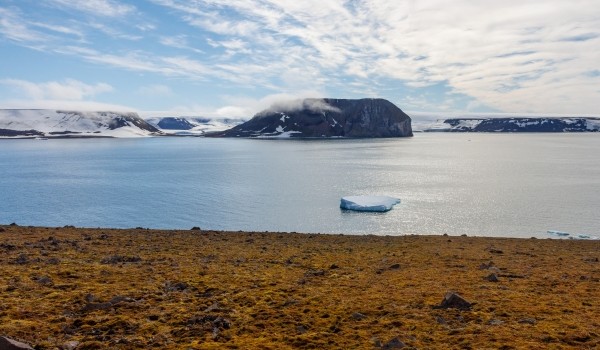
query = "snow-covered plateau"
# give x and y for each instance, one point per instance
(46, 123)
(193, 126)
(515, 124)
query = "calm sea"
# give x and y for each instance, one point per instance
(518, 185)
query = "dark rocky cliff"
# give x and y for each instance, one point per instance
(327, 118)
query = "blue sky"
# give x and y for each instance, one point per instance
(233, 58)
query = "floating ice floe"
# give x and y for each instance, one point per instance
(368, 203)
(571, 236)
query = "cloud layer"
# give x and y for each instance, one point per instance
(509, 56)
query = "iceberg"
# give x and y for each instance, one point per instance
(368, 203)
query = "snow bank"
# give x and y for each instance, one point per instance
(368, 203)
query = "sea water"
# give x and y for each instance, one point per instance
(517, 185)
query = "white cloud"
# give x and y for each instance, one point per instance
(155, 90)
(468, 45)
(106, 8)
(13, 28)
(68, 89)
(513, 55)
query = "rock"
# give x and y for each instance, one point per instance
(22, 259)
(326, 118)
(10, 344)
(301, 329)
(115, 259)
(454, 301)
(314, 273)
(2, 229)
(487, 266)
(528, 320)
(196, 228)
(395, 343)
(394, 267)
(357, 316)
(43, 280)
(492, 278)
(13, 224)
(176, 287)
(333, 267)
(441, 320)
(494, 322)
(70, 345)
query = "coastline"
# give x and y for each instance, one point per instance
(194, 289)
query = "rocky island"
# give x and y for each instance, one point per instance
(321, 118)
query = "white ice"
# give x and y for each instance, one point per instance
(368, 203)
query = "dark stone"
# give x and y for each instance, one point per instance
(13, 224)
(11, 344)
(395, 343)
(327, 118)
(528, 320)
(394, 267)
(2, 229)
(43, 280)
(454, 301)
(492, 278)
(487, 266)
(195, 228)
(154, 317)
(333, 267)
(357, 316)
(176, 286)
(313, 273)
(22, 259)
(115, 259)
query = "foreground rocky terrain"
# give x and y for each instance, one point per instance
(68, 288)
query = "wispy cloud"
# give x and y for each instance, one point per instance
(108, 8)
(513, 56)
(68, 89)
(13, 28)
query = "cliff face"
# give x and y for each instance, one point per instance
(327, 118)
(517, 124)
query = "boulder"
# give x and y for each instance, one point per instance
(11, 344)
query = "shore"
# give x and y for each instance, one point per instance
(138, 289)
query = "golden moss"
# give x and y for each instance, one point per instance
(139, 289)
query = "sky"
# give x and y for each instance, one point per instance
(234, 58)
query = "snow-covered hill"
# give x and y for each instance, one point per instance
(517, 124)
(17, 123)
(193, 125)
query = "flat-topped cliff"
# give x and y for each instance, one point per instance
(327, 117)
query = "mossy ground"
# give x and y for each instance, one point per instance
(140, 289)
